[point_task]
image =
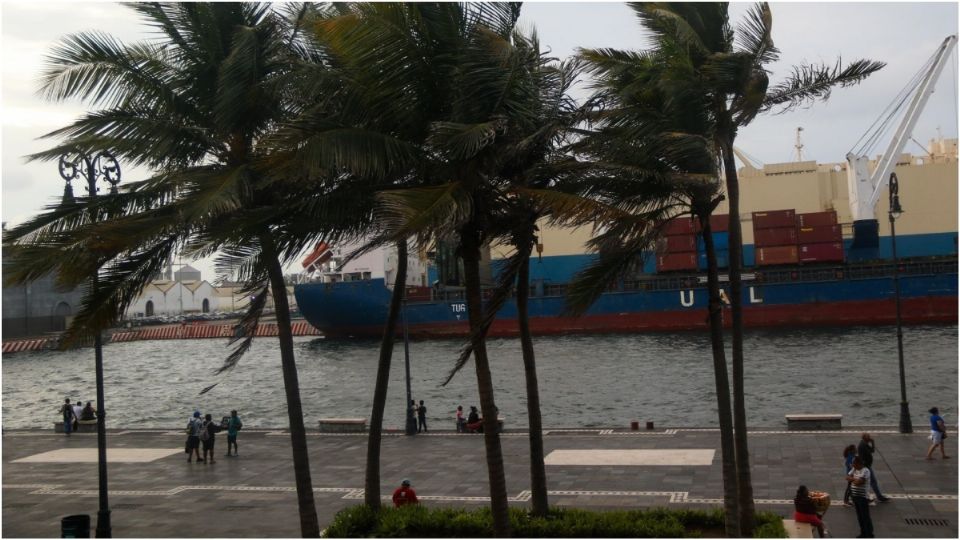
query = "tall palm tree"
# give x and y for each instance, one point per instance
(729, 67)
(192, 105)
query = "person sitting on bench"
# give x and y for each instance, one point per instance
(474, 422)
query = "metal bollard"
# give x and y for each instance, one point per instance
(76, 526)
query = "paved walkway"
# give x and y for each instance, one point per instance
(155, 493)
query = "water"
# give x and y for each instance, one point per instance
(584, 380)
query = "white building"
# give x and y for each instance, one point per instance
(164, 297)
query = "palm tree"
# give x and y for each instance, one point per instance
(728, 68)
(193, 106)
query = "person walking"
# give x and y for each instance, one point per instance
(233, 426)
(806, 512)
(77, 411)
(461, 422)
(422, 417)
(938, 432)
(859, 478)
(865, 450)
(849, 453)
(404, 494)
(194, 428)
(67, 411)
(208, 436)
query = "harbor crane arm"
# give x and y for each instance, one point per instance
(864, 188)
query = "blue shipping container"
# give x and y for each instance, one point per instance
(723, 259)
(721, 242)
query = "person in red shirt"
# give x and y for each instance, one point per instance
(404, 494)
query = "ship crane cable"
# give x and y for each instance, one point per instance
(875, 133)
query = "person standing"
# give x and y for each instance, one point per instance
(208, 436)
(194, 428)
(859, 478)
(461, 423)
(77, 411)
(404, 494)
(233, 426)
(849, 453)
(67, 411)
(422, 417)
(938, 432)
(865, 450)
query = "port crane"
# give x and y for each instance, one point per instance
(865, 188)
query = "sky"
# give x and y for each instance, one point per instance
(904, 35)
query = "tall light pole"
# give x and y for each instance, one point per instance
(92, 168)
(895, 210)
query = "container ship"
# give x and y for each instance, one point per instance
(801, 265)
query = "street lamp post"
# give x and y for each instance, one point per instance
(894, 212)
(92, 168)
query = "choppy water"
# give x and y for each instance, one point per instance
(584, 380)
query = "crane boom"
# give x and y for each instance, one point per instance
(864, 188)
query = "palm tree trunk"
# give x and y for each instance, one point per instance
(497, 475)
(309, 524)
(538, 471)
(727, 449)
(372, 482)
(745, 488)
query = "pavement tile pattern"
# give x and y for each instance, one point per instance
(253, 495)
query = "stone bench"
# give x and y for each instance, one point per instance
(796, 529)
(343, 425)
(84, 426)
(813, 421)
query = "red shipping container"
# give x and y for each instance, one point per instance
(782, 236)
(720, 222)
(767, 256)
(774, 218)
(817, 219)
(681, 243)
(676, 261)
(824, 252)
(678, 226)
(819, 235)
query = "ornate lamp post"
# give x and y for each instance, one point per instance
(91, 169)
(894, 212)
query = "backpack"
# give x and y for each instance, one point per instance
(205, 434)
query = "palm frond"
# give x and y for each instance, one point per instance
(811, 82)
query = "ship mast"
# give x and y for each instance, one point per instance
(798, 146)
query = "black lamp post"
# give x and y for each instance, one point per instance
(411, 427)
(92, 168)
(895, 211)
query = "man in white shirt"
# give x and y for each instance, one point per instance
(859, 478)
(77, 409)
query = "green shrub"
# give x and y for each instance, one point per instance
(424, 522)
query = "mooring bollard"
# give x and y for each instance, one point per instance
(649, 425)
(634, 425)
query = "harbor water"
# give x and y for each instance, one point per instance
(585, 381)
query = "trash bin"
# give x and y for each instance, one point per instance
(77, 526)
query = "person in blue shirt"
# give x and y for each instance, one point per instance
(938, 432)
(233, 426)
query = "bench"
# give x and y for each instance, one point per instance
(84, 426)
(343, 425)
(796, 529)
(813, 421)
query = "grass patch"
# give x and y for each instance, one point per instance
(423, 522)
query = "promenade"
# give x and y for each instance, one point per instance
(154, 492)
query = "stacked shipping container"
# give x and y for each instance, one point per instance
(679, 249)
(719, 227)
(775, 237)
(820, 237)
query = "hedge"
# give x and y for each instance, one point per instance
(423, 522)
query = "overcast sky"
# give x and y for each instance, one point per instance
(904, 35)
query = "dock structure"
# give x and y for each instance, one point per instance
(155, 492)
